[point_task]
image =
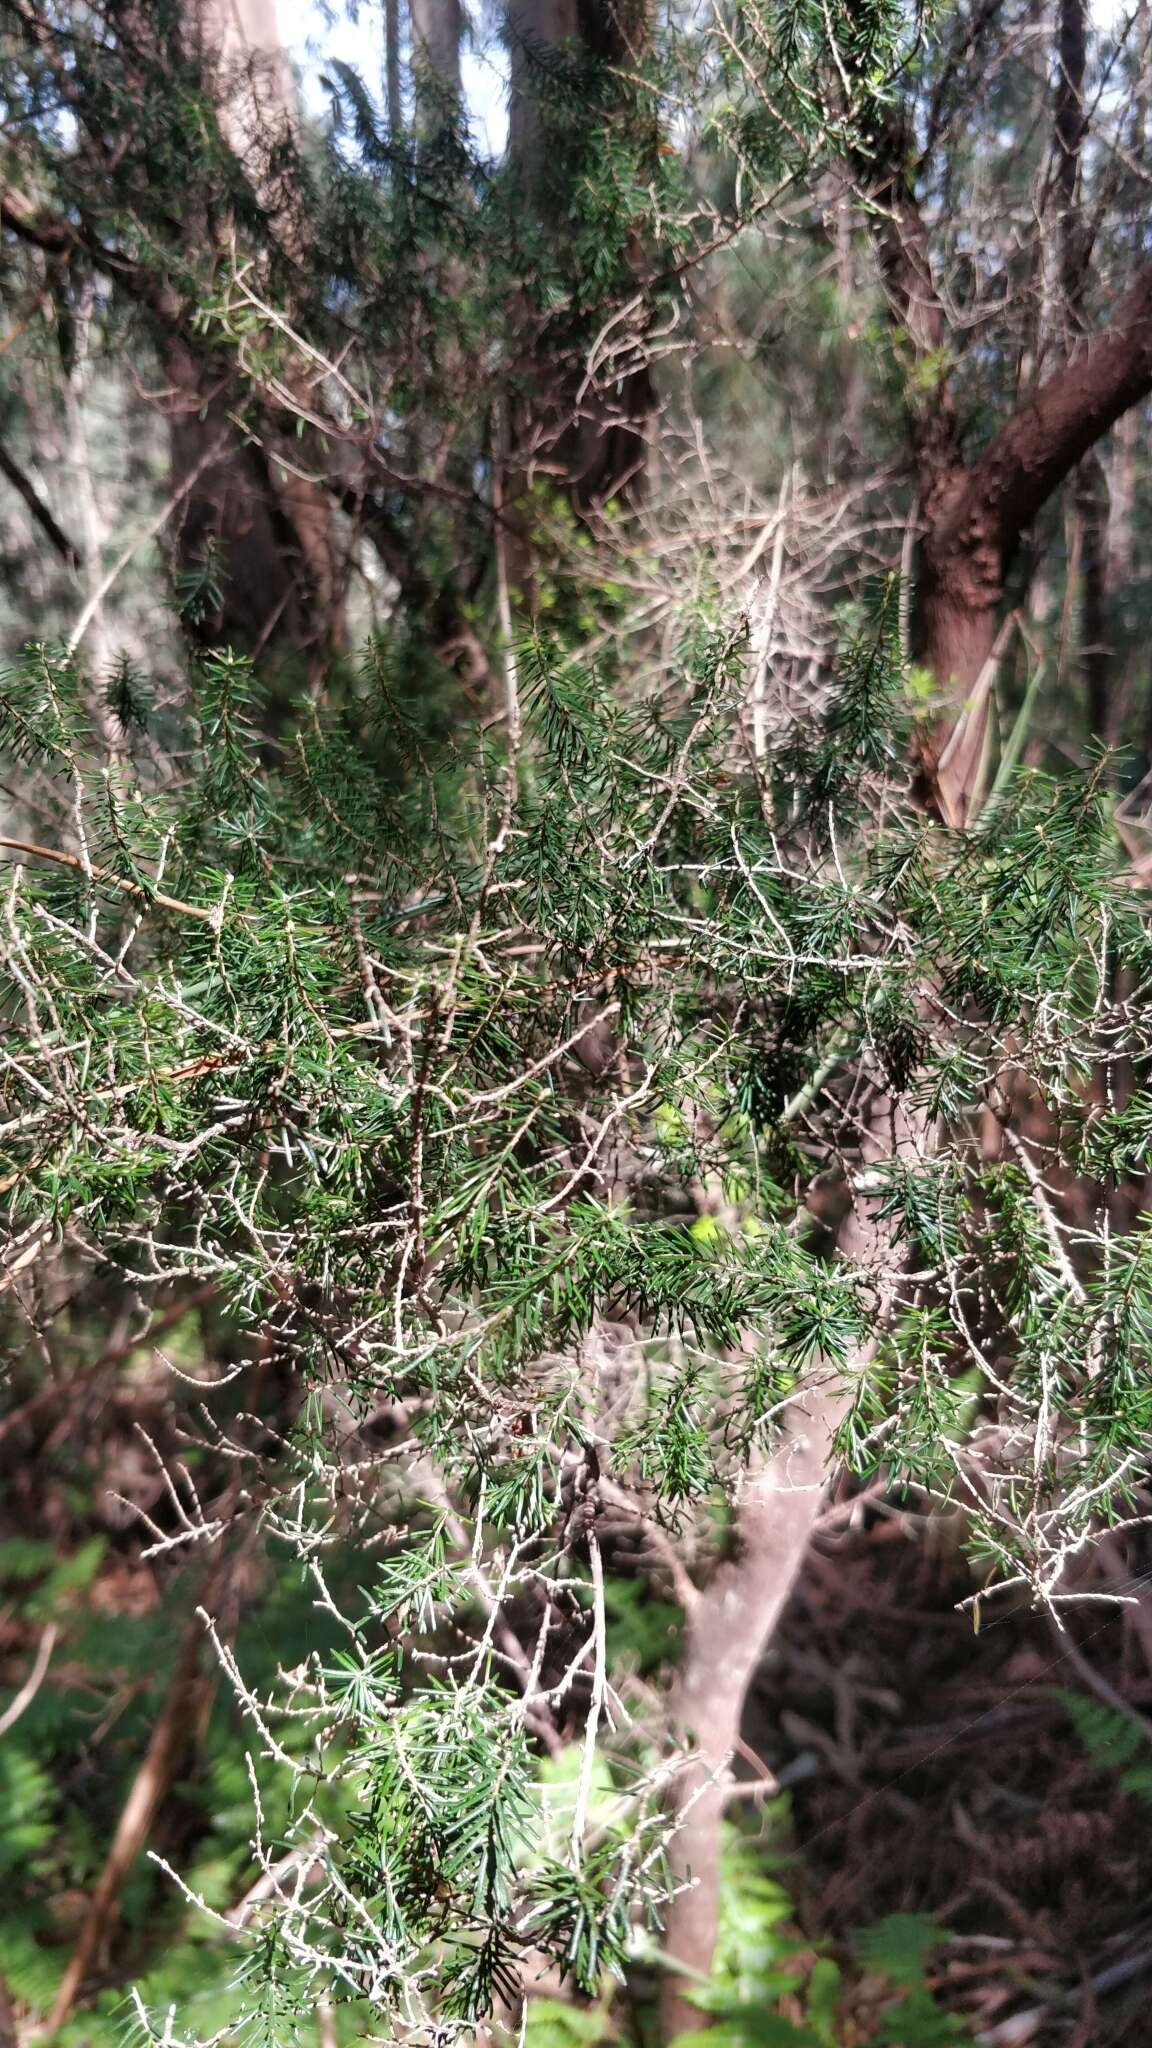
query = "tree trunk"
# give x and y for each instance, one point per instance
(728, 1632)
(733, 1620)
(1096, 647)
(976, 513)
(586, 423)
(274, 535)
(533, 28)
(393, 99)
(275, 531)
(437, 28)
(963, 585)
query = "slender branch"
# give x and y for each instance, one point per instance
(60, 1390)
(149, 1787)
(72, 860)
(35, 1679)
(596, 1704)
(67, 550)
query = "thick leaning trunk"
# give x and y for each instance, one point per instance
(733, 1620)
(976, 513)
(959, 614)
(961, 594)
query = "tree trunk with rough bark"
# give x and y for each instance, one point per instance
(734, 1618)
(437, 30)
(976, 512)
(275, 530)
(393, 96)
(586, 424)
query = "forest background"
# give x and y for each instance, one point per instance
(576, 809)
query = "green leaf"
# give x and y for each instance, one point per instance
(899, 1945)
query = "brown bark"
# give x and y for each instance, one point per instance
(437, 27)
(613, 32)
(532, 28)
(733, 1619)
(393, 99)
(975, 514)
(275, 530)
(586, 425)
(987, 507)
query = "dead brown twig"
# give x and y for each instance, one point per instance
(178, 1720)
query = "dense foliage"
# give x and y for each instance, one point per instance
(551, 988)
(486, 1085)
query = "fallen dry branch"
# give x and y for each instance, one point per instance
(179, 1718)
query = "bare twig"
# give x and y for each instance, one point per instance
(35, 1679)
(67, 550)
(596, 1704)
